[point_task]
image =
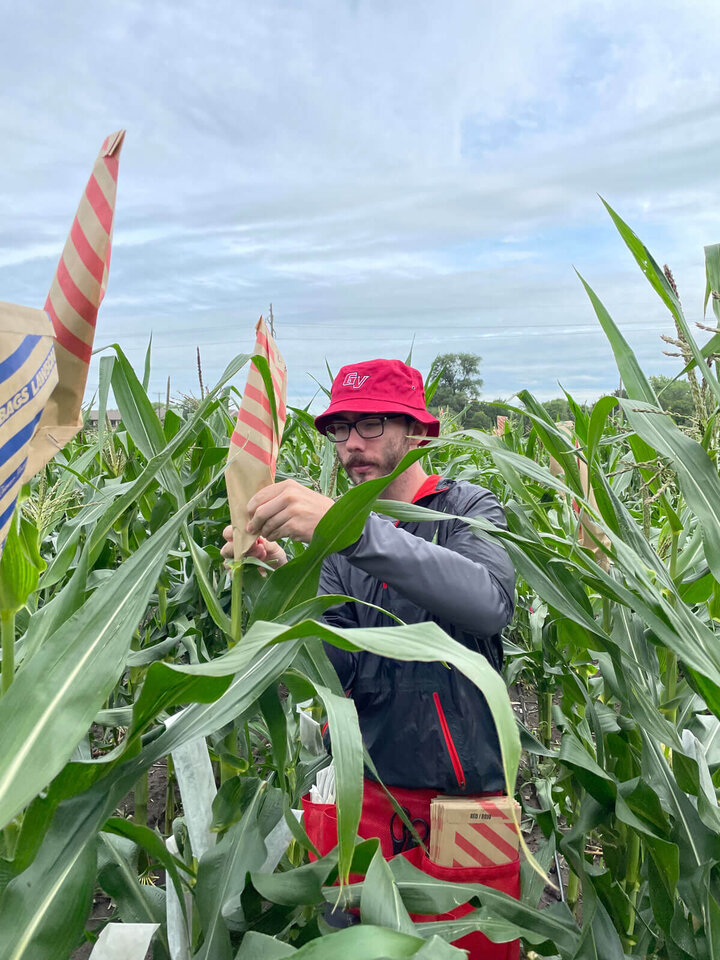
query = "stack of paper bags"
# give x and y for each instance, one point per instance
(468, 832)
(256, 439)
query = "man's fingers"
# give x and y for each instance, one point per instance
(265, 511)
(228, 533)
(279, 525)
(258, 550)
(270, 492)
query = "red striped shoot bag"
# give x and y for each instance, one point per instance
(479, 832)
(256, 439)
(72, 304)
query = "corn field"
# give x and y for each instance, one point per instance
(125, 652)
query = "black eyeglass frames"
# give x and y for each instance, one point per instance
(367, 428)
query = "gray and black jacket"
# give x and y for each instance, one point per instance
(424, 725)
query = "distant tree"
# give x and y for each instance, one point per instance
(675, 397)
(559, 409)
(460, 381)
(481, 415)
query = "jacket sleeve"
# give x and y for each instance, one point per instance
(469, 581)
(343, 615)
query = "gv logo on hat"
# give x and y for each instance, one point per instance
(352, 380)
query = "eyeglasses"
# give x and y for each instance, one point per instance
(367, 428)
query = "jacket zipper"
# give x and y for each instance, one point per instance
(454, 758)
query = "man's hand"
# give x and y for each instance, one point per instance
(270, 553)
(286, 509)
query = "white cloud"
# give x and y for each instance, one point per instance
(374, 170)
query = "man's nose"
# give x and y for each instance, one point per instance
(354, 442)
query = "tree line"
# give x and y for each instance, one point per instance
(459, 388)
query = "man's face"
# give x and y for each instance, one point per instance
(367, 459)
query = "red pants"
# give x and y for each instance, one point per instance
(321, 826)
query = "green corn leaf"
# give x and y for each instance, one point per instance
(263, 367)
(424, 642)
(202, 563)
(303, 885)
(141, 420)
(153, 844)
(424, 894)
(173, 449)
(57, 885)
(20, 565)
(272, 711)
(380, 901)
(697, 475)
(589, 773)
(138, 414)
(118, 877)
(259, 946)
(347, 757)
(662, 287)
(342, 525)
(532, 883)
(58, 692)
(54, 613)
(696, 843)
(634, 380)
(221, 879)
(364, 942)
(55, 928)
(554, 440)
(146, 371)
(596, 427)
(104, 381)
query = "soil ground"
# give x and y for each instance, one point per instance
(102, 909)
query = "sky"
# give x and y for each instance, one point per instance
(381, 172)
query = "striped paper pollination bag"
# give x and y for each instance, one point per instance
(473, 832)
(28, 375)
(75, 295)
(255, 441)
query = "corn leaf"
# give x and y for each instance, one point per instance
(57, 693)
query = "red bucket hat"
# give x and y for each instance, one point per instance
(379, 386)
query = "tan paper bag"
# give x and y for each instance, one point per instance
(72, 304)
(28, 375)
(587, 527)
(255, 442)
(471, 832)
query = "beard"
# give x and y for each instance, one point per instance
(361, 467)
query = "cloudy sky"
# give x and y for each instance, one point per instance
(377, 169)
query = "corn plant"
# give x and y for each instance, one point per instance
(129, 630)
(117, 656)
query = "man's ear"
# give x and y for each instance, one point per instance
(417, 429)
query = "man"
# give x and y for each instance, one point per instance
(427, 728)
